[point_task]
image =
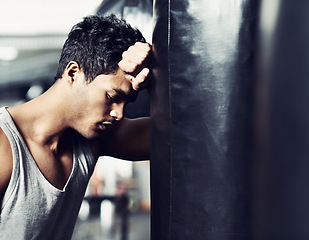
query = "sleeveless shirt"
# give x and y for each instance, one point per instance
(32, 208)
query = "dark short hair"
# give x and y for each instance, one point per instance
(97, 44)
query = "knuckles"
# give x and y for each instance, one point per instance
(127, 67)
(134, 58)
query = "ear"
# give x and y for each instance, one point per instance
(71, 71)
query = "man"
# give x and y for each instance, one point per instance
(49, 146)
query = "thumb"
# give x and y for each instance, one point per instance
(139, 82)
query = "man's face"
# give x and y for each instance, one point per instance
(99, 104)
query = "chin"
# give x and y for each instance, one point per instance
(90, 135)
(93, 132)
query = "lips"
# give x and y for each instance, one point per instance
(107, 123)
(104, 125)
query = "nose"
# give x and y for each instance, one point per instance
(117, 112)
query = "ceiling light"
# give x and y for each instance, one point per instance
(8, 53)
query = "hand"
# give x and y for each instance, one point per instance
(134, 64)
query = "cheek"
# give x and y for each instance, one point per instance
(100, 107)
(95, 101)
(92, 100)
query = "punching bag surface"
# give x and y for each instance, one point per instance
(282, 208)
(201, 106)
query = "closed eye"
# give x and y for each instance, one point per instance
(113, 99)
(110, 98)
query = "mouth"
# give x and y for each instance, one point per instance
(104, 125)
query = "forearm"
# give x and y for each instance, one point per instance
(131, 139)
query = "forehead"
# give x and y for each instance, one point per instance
(115, 82)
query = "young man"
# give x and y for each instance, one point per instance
(49, 146)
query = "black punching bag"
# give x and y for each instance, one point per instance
(282, 192)
(201, 109)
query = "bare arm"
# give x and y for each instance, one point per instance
(6, 163)
(129, 140)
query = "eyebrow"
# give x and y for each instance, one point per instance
(128, 97)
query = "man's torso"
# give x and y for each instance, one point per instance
(32, 206)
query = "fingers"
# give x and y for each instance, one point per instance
(134, 64)
(138, 83)
(137, 52)
(134, 57)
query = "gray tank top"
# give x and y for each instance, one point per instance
(32, 208)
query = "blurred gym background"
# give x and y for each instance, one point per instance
(32, 32)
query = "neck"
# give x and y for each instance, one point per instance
(43, 120)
